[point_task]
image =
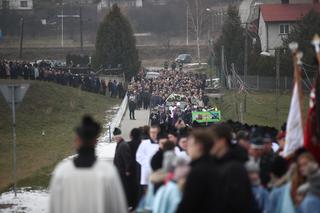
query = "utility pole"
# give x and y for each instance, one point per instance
(211, 60)
(221, 74)
(62, 38)
(277, 52)
(236, 109)
(13, 94)
(62, 16)
(241, 111)
(245, 69)
(21, 37)
(197, 27)
(187, 31)
(81, 29)
(14, 137)
(212, 24)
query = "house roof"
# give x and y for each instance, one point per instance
(286, 12)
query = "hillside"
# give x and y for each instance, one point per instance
(261, 107)
(48, 108)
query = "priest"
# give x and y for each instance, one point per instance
(86, 184)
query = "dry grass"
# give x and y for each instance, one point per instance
(261, 107)
(53, 109)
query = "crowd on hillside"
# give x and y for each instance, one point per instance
(43, 71)
(226, 167)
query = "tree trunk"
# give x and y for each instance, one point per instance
(198, 49)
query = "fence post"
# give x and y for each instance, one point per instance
(285, 82)
(109, 133)
(241, 111)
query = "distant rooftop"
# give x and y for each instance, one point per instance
(286, 12)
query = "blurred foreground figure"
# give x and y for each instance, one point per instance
(85, 184)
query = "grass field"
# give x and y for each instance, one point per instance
(48, 108)
(261, 107)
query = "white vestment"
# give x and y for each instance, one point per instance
(144, 154)
(86, 190)
(181, 153)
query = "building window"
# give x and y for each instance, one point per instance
(284, 29)
(23, 3)
(5, 4)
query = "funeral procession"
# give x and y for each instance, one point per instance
(160, 106)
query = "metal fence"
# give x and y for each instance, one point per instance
(256, 82)
(115, 122)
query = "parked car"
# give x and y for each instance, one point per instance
(215, 83)
(184, 58)
(151, 75)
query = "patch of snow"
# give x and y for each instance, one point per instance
(105, 151)
(26, 201)
(35, 201)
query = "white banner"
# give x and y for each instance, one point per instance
(294, 135)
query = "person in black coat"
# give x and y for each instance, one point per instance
(134, 189)
(229, 158)
(201, 190)
(123, 161)
(132, 108)
(157, 159)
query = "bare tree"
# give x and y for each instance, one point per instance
(197, 16)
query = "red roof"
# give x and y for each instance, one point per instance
(286, 12)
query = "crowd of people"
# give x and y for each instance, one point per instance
(225, 167)
(174, 166)
(44, 71)
(188, 88)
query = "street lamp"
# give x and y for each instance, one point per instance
(211, 14)
(277, 53)
(21, 36)
(187, 30)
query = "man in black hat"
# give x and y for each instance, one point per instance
(85, 183)
(123, 160)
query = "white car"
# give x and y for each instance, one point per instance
(151, 75)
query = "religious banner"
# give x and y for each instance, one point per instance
(206, 116)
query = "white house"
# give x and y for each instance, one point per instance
(17, 4)
(276, 20)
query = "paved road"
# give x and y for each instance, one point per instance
(106, 150)
(142, 118)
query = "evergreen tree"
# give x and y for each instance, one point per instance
(232, 39)
(116, 44)
(303, 33)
